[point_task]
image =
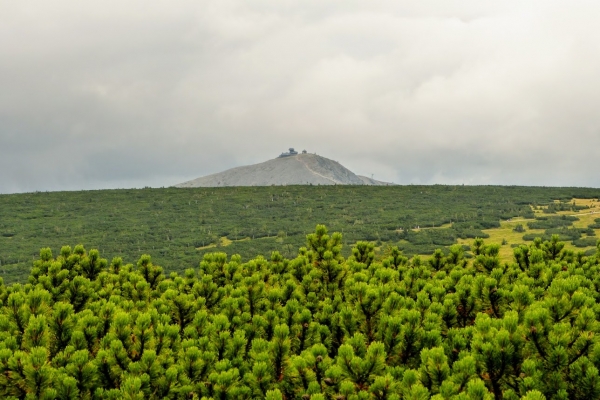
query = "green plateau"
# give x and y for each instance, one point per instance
(177, 227)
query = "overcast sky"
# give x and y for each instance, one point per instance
(118, 94)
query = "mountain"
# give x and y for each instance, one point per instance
(288, 169)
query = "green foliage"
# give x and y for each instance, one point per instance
(318, 326)
(552, 222)
(177, 227)
(554, 207)
(519, 228)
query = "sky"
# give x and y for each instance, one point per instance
(117, 94)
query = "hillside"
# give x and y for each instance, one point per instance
(177, 227)
(297, 169)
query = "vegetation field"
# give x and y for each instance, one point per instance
(318, 326)
(177, 227)
(587, 221)
(254, 303)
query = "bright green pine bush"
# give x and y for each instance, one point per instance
(317, 327)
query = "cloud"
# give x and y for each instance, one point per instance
(144, 93)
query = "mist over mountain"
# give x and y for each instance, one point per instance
(289, 168)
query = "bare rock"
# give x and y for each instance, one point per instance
(299, 169)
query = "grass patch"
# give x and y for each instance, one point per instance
(507, 234)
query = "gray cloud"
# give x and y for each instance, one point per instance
(147, 93)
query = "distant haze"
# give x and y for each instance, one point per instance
(144, 93)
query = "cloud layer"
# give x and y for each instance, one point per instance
(103, 95)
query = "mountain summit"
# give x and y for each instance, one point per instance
(289, 168)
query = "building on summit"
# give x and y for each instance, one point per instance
(290, 153)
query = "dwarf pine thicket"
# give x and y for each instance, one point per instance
(178, 226)
(314, 327)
